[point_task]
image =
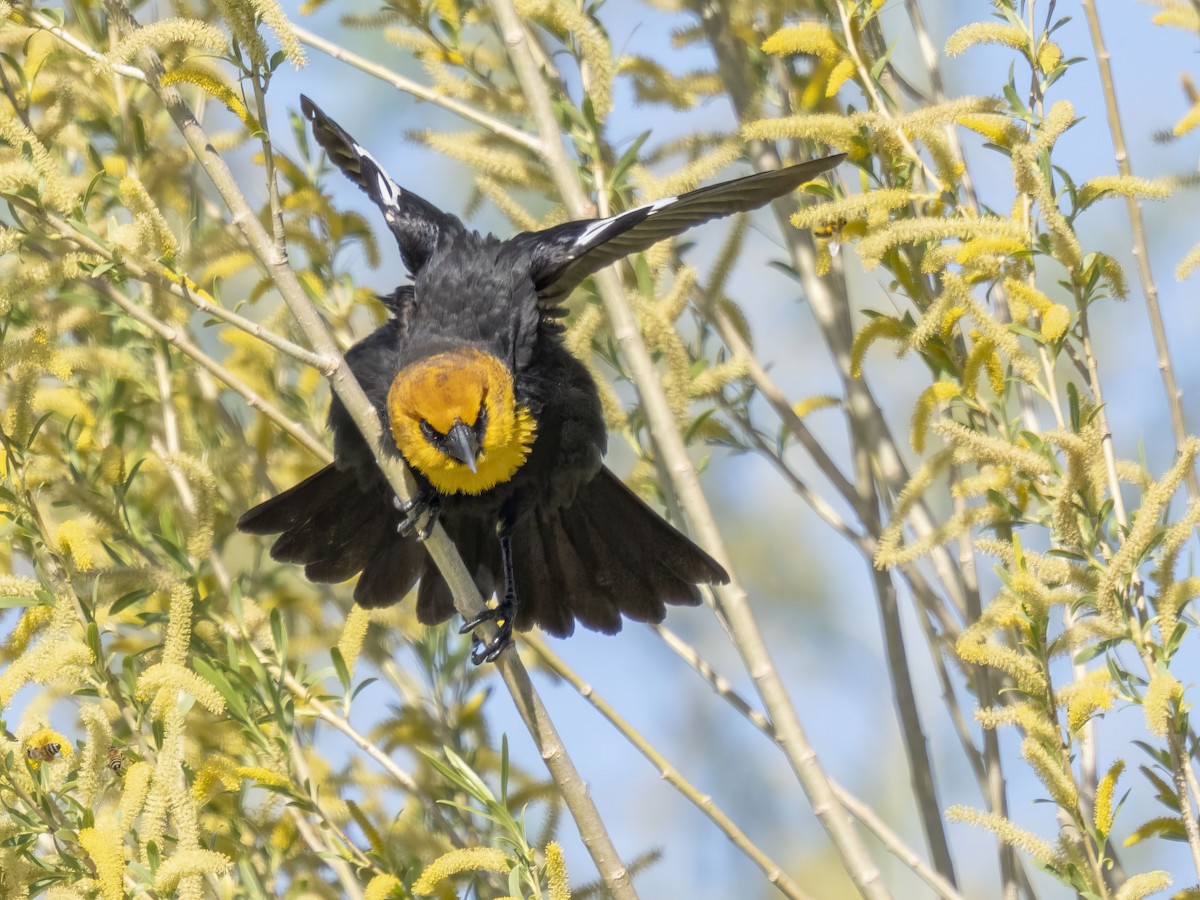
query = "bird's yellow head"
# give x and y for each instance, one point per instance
(457, 422)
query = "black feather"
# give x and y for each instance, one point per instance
(585, 548)
(563, 256)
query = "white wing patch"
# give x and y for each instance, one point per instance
(594, 233)
(388, 190)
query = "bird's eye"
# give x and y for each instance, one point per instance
(429, 432)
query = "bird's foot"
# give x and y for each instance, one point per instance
(426, 505)
(502, 616)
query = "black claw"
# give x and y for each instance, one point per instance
(423, 506)
(490, 651)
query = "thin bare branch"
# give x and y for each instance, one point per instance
(408, 86)
(443, 552)
(1141, 251)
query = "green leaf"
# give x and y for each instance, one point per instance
(127, 600)
(233, 699)
(339, 666)
(14, 602)
(279, 634)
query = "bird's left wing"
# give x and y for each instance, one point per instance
(563, 256)
(415, 222)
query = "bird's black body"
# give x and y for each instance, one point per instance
(583, 546)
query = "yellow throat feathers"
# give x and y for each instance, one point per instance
(457, 385)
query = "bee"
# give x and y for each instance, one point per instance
(116, 760)
(43, 752)
(830, 234)
(830, 229)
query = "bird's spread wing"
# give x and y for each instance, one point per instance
(565, 255)
(415, 222)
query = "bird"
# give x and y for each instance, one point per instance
(500, 425)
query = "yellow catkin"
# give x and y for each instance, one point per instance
(467, 859)
(103, 845)
(1144, 529)
(811, 404)
(1049, 55)
(556, 873)
(58, 659)
(877, 328)
(382, 886)
(976, 446)
(354, 632)
(33, 620)
(874, 205)
(218, 770)
(47, 735)
(134, 791)
(263, 776)
(936, 229)
(973, 647)
(931, 398)
(1157, 704)
(977, 361)
(1055, 322)
(1143, 885)
(366, 825)
(193, 32)
(112, 465)
(1177, 14)
(1163, 826)
(1188, 264)
(1093, 694)
(977, 33)
(95, 752)
(170, 677)
(1124, 186)
(810, 38)
(272, 14)
(203, 485)
(211, 85)
(1050, 771)
(187, 864)
(838, 76)
(1189, 121)
(80, 537)
(1006, 831)
(179, 625)
(840, 132)
(49, 181)
(998, 129)
(1104, 797)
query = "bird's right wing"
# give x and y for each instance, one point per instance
(415, 222)
(563, 256)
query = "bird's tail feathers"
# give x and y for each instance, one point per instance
(605, 556)
(331, 526)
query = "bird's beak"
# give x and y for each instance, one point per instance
(462, 445)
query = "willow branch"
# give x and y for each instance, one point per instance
(176, 338)
(42, 21)
(72, 233)
(1141, 252)
(408, 86)
(365, 417)
(1183, 775)
(890, 840)
(669, 773)
(732, 598)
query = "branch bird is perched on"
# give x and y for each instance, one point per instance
(501, 426)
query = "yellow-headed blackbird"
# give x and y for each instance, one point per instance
(501, 426)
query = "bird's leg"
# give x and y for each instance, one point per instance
(427, 503)
(505, 612)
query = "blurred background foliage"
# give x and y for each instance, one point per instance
(972, 565)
